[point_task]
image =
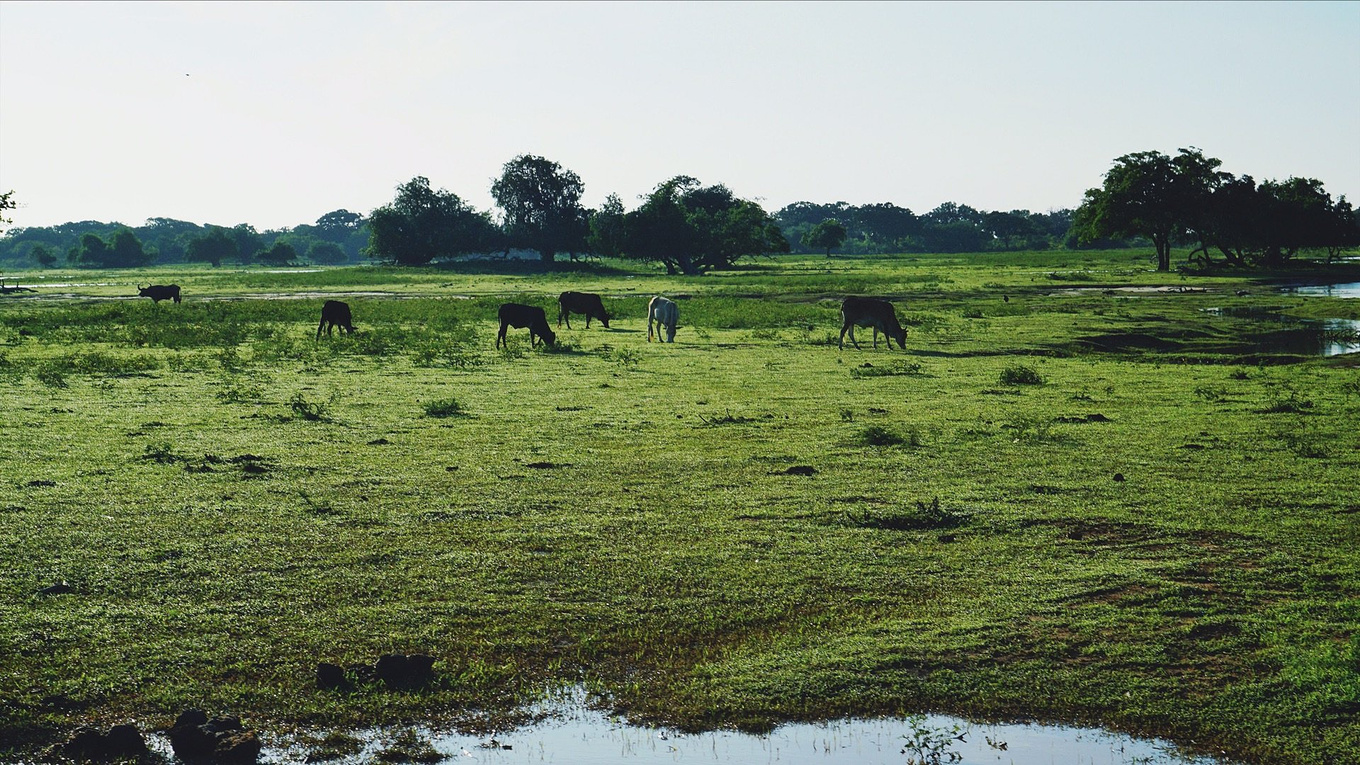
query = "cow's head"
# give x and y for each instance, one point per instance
(141, 291)
(548, 335)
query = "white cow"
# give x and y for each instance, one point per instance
(665, 314)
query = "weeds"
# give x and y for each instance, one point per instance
(877, 435)
(921, 517)
(448, 407)
(927, 745)
(1021, 375)
(312, 411)
(898, 369)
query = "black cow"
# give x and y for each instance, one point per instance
(569, 303)
(871, 312)
(334, 314)
(159, 292)
(521, 316)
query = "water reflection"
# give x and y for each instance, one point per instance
(1347, 290)
(1305, 337)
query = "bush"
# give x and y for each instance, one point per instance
(445, 408)
(1021, 375)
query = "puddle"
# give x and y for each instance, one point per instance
(574, 734)
(1304, 337)
(1345, 290)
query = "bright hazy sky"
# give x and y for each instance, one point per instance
(274, 113)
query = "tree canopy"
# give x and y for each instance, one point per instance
(422, 224)
(541, 206)
(828, 235)
(692, 229)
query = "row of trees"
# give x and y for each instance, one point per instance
(1187, 200)
(691, 228)
(950, 227)
(685, 226)
(336, 237)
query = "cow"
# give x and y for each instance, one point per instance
(664, 312)
(159, 292)
(521, 316)
(569, 303)
(335, 314)
(871, 312)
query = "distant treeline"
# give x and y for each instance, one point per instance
(1147, 199)
(336, 237)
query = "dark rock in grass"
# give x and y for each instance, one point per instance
(404, 672)
(800, 470)
(1119, 477)
(60, 588)
(120, 743)
(329, 676)
(40, 483)
(222, 739)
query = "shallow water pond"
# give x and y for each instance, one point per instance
(1344, 290)
(572, 733)
(1305, 337)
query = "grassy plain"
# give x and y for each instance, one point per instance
(1074, 497)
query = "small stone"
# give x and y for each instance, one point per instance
(1119, 477)
(329, 676)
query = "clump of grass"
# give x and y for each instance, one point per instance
(877, 435)
(920, 517)
(407, 746)
(1287, 401)
(238, 390)
(628, 357)
(1212, 393)
(906, 369)
(334, 746)
(448, 407)
(312, 411)
(161, 452)
(1020, 374)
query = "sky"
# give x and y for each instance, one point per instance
(274, 114)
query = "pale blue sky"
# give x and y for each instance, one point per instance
(290, 111)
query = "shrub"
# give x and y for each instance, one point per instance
(877, 435)
(1021, 375)
(444, 408)
(314, 411)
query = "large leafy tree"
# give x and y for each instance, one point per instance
(122, 250)
(693, 229)
(540, 203)
(606, 235)
(422, 224)
(1151, 195)
(827, 235)
(213, 246)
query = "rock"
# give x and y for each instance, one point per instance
(1119, 477)
(403, 672)
(120, 743)
(60, 588)
(221, 739)
(800, 470)
(330, 676)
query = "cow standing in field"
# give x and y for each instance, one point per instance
(159, 292)
(521, 316)
(335, 314)
(664, 312)
(569, 303)
(871, 312)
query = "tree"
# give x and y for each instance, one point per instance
(826, 235)
(280, 253)
(541, 205)
(422, 224)
(326, 253)
(43, 256)
(693, 229)
(212, 247)
(1009, 229)
(606, 235)
(121, 250)
(1152, 195)
(340, 221)
(6, 203)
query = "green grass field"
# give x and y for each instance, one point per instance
(1072, 498)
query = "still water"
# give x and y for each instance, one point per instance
(1346, 290)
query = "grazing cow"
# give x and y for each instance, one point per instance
(335, 314)
(159, 292)
(521, 316)
(581, 302)
(664, 312)
(871, 312)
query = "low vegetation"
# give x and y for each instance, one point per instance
(1096, 504)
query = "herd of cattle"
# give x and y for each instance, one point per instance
(662, 314)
